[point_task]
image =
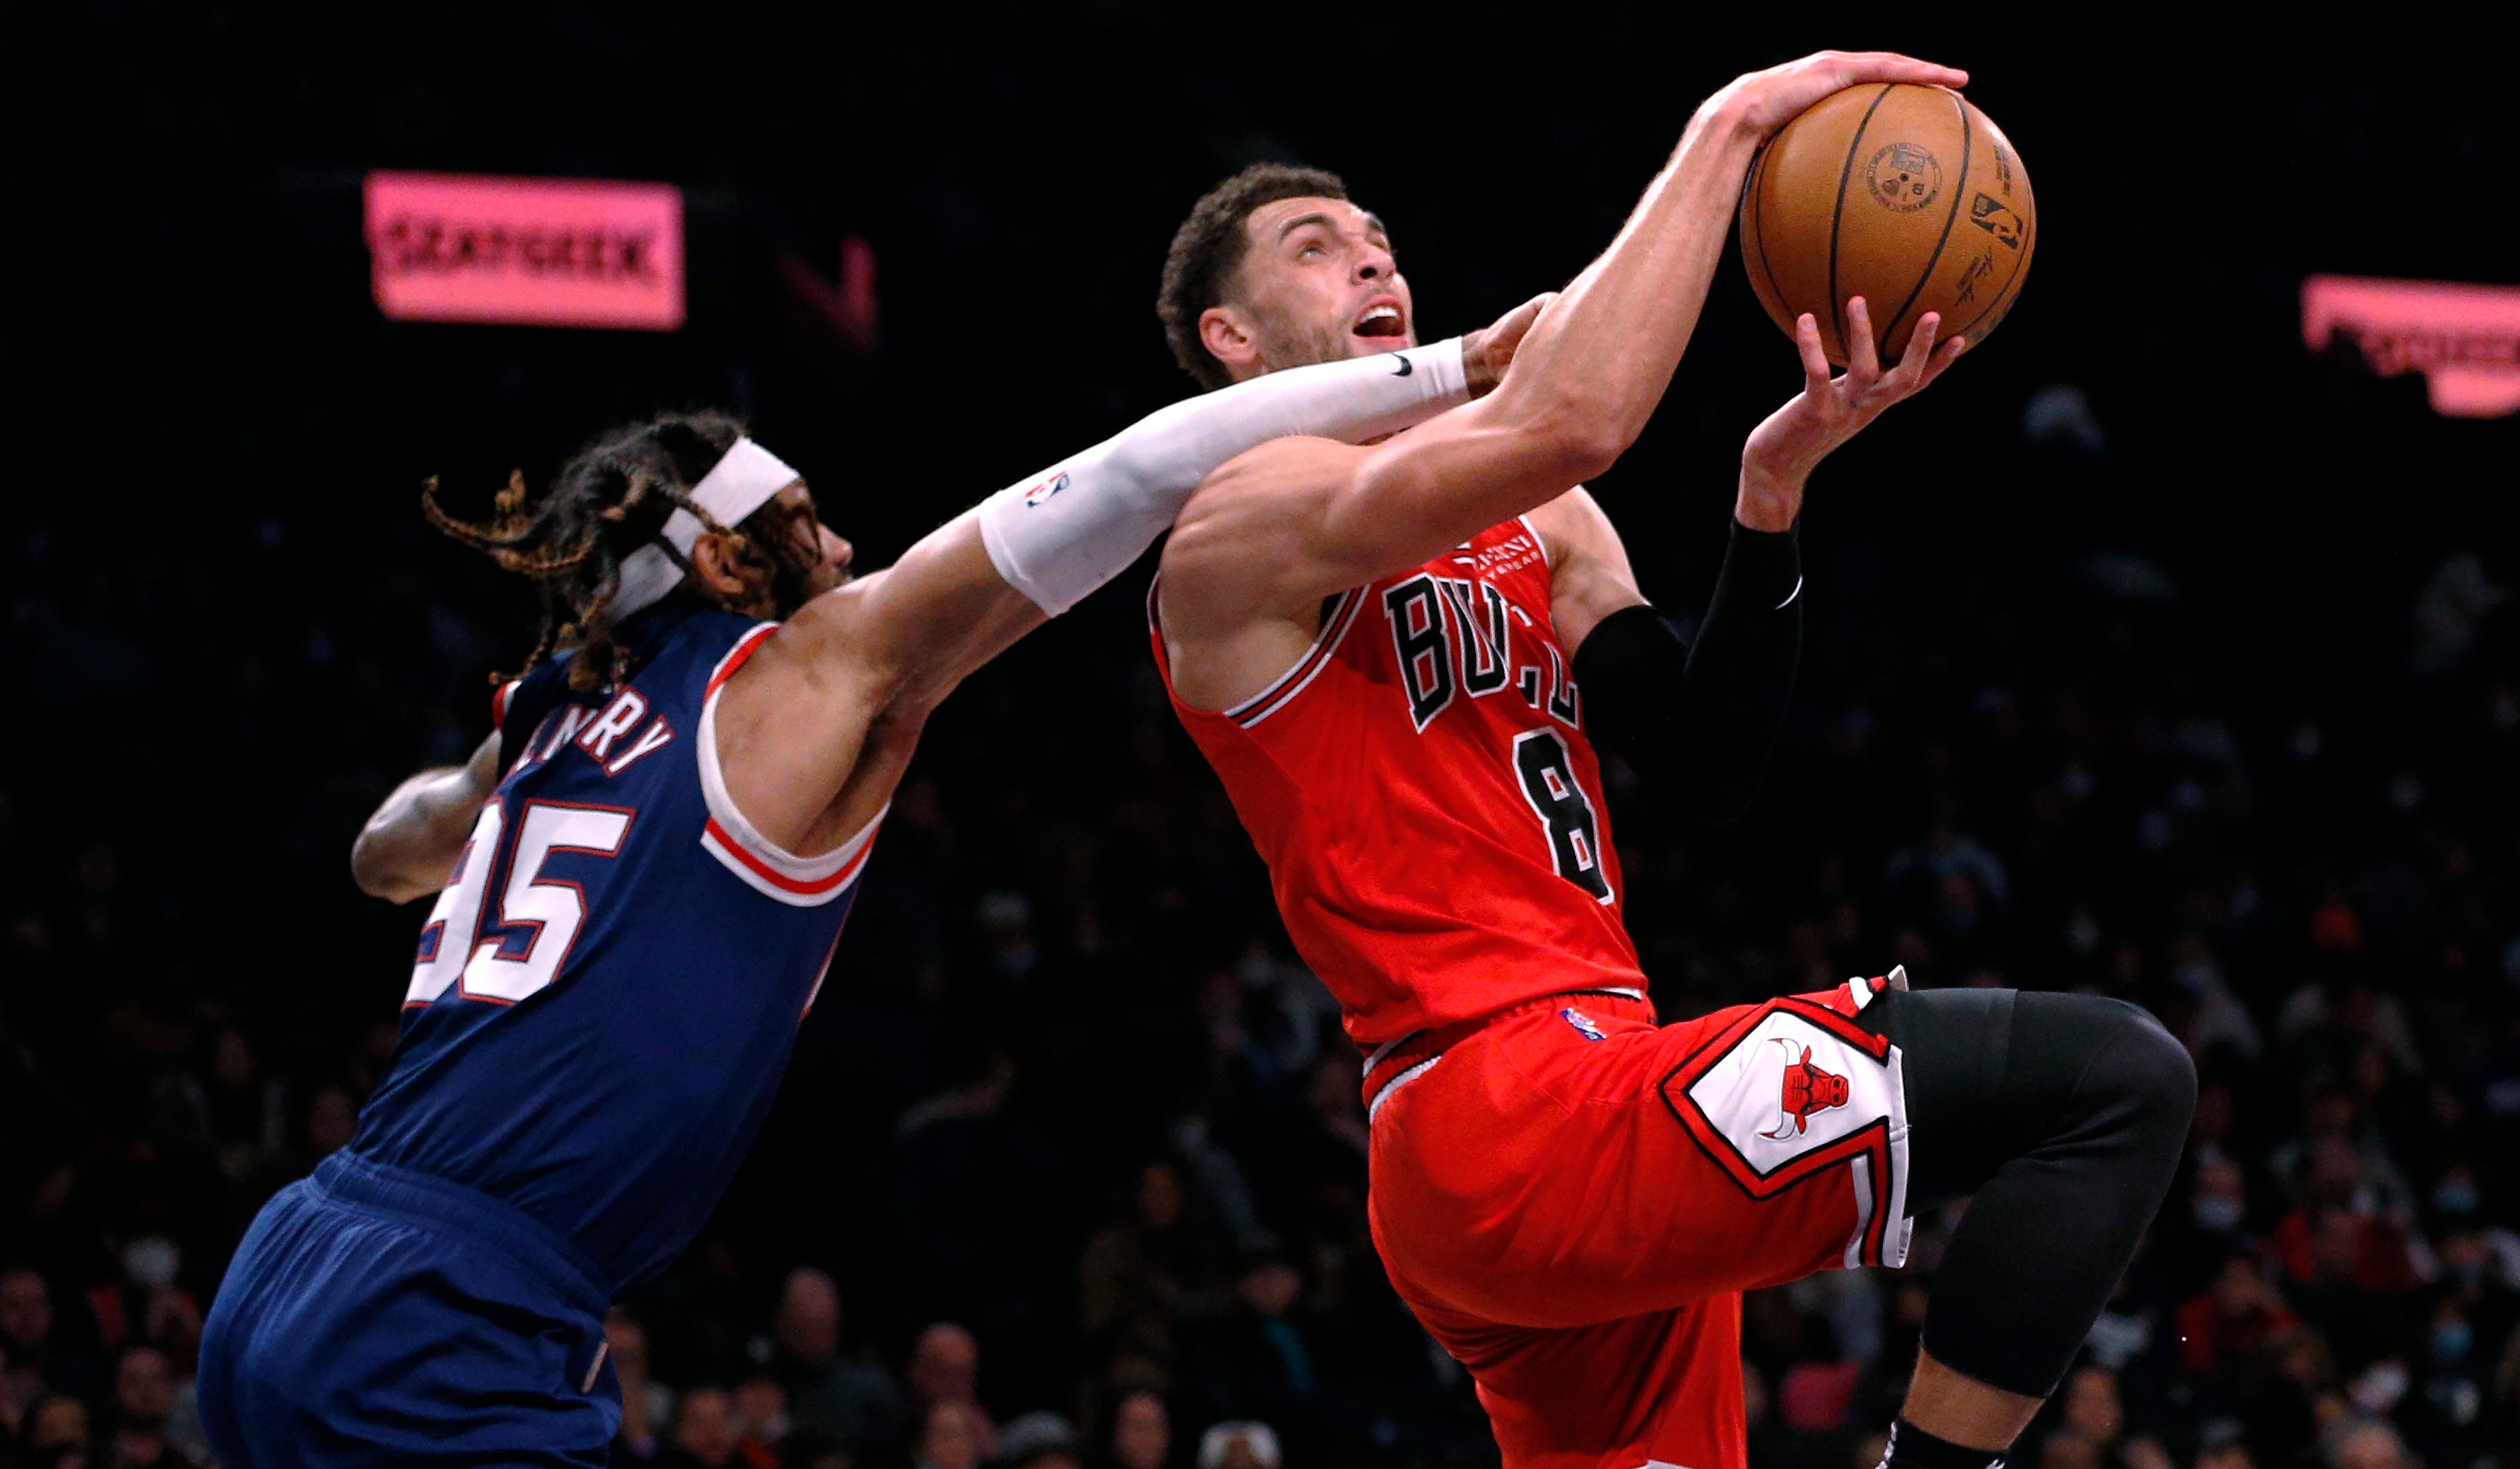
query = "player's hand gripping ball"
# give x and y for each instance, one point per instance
(1906, 195)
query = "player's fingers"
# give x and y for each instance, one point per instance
(1507, 329)
(1910, 373)
(1942, 359)
(1890, 65)
(1863, 362)
(1815, 360)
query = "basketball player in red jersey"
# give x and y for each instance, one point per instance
(1400, 658)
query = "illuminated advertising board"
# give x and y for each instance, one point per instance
(2465, 339)
(545, 252)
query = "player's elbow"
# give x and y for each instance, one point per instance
(1579, 437)
(374, 868)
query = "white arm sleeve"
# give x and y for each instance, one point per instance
(1057, 535)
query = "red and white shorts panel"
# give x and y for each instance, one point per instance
(1572, 1199)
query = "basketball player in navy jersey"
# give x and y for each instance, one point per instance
(640, 876)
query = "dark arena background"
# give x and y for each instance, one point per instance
(2151, 654)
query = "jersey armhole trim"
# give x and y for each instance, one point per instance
(1292, 681)
(1317, 657)
(766, 867)
(499, 702)
(1539, 540)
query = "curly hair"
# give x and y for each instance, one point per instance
(1207, 251)
(612, 499)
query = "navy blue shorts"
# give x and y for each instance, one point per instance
(375, 1315)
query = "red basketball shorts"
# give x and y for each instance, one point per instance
(1573, 1198)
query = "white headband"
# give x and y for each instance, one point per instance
(736, 486)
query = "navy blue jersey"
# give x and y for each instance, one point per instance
(606, 993)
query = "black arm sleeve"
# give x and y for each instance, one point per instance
(1699, 723)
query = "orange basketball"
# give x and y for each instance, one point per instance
(1906, 195)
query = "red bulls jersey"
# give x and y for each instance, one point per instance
(1421, 788)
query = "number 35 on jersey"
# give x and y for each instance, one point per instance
(504, 952)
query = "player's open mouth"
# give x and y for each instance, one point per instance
(1381, 318)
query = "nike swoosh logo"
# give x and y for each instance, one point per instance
(1405, 367)
(1790, 596)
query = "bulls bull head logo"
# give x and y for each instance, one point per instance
(1807, 1090)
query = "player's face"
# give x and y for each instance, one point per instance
(1317, 284)
(829, 554)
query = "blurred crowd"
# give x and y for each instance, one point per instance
(1069, 1170)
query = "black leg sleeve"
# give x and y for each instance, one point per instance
(1699, 723)
(2062, 1117)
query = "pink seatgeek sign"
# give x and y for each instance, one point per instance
(548, 252)
(2465, 339)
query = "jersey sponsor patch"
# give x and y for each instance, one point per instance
(1796, 1089)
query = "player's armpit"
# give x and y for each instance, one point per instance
(853, 675)
(1589, 577)
(408, 846)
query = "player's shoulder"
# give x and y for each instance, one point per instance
(1296, 462)
(520, 703)
(1250, 497)
(712, 635)
(664, 647)
(836, 626)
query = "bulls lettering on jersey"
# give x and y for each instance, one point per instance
(604, 996)
(1422, 790)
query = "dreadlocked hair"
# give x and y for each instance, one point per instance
(612, 499)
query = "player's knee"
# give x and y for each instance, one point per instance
(2141, 1072)
(2112, 1069)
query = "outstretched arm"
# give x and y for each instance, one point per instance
(1699, 721)
(408, 846)
(863, 666)
(1580, 390)
(967, 592)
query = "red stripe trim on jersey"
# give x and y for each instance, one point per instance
(1279, 695)
(499, 704)
(736, 657)
(780, 880)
